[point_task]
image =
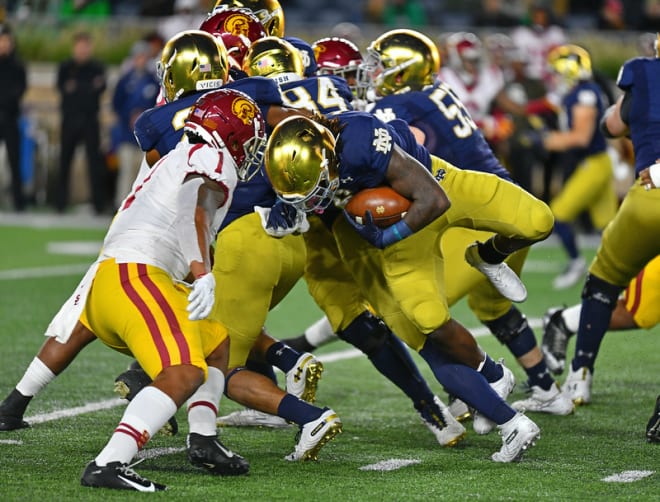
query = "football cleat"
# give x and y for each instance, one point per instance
(572, 274)
(314, 435)
(653, 427)
(552, 401)
(503, 387)
(518, 434)
(117, 476)
(132, 381)
(210, 454)
(437, 417)
(458, 409)
(578, 385)
(505, 280)
(555, 340)
(11, 411)
(302, 380)
(252, 418)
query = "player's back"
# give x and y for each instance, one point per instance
(324, 94)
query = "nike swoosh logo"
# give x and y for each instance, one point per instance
(150, 488)
(228, 453)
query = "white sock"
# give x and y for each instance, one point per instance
(144, 415)
(571, 317)
(36, 377)
(320, 333)
(203, 404)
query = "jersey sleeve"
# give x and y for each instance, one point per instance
(146, 131)
(212, 163)
(626, 75)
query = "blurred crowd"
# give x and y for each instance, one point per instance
(502, 77)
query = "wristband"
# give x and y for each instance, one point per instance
(395, 233)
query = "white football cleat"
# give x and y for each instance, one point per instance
(503, 387)
(458, 409)
(578, 385)
(314, 435)
(505, 280)
(252, 418)
(302, 380)
(518, 434)
(439, 420)
(552, 401)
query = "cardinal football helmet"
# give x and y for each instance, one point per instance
(570, 63)
(230, 120)
(192, 60)
(463, 47)
(337, 56)
(399, 61)
(275, 58)
(269, 12)
(301, 163)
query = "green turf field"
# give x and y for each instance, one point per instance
(572, 460)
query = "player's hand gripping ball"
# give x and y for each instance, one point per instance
(385, 204)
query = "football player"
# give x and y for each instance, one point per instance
(443, 125)
(590, 187)
(629, 241)
(269, 12)
(398, 267)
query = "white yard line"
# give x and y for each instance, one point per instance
(391, 464)
(39, 272)
(628, 476)
(78, 410)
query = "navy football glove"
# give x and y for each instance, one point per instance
(377, 236)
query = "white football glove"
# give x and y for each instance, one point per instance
(282, 219)
(201, 298)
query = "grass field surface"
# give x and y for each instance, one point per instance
(384, 453)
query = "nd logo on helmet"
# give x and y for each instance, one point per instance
(237, 24)
(244, 110)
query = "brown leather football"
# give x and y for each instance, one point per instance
(386, 205)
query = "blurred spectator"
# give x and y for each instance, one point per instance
(349, 31)
(610, 16)
(81, 81)
(539, 38)
(135, 92)
(650, 16)
(156, 44)
(494, 14)
(13, 83)
(156, 8)
(646, 45)
(187, 15)
(397, 13)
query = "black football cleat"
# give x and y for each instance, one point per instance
(555, 340)
(12, 410)
(208, 453)
(653, 427)
(117, 476)
(132, 381)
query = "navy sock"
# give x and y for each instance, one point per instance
(594, 321)
(467, 384)
(491, 371)
(264, 368)
(567, 237)
(298, 411)
(282, 356)
(522, 343)
(540, 376)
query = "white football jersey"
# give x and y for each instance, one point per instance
(537, 45)
(143, 231)
(479, 96)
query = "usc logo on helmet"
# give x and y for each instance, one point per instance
(244, 110)
(237, 24)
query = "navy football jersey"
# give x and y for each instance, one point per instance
(450, 133)
(324, 94)
(161, 128)
(641, 78)
(590, 94)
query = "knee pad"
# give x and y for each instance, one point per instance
(367, 333)
(228, 377)
(509, 326)
(601, 291)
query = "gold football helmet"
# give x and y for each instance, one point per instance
(571, 62)
(275, 58)
(192, 60)
(400, 61)
(269, 12)
(301, 164)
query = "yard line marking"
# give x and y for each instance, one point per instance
(158, 452)
(75, 248)
(40, 272)
(78, 410)
(11, 441)
(628, 476)
(390, 465)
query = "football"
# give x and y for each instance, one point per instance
(386, 205)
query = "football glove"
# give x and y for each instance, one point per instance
(201, 298)
(377, 236)
(282, 219)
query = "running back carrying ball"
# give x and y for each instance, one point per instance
(386, 205)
